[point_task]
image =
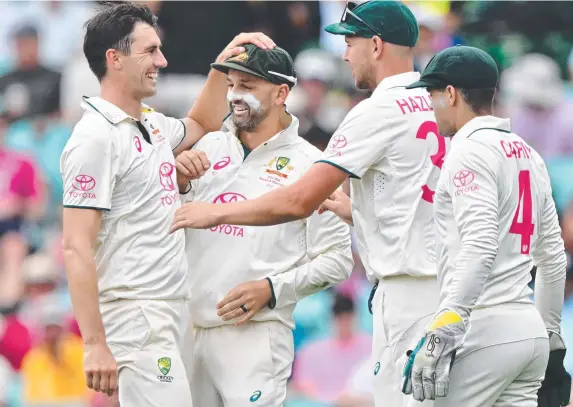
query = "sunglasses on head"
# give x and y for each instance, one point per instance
(348, 11)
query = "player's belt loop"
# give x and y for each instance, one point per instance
(371, 298)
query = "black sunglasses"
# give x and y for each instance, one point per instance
(348, 10)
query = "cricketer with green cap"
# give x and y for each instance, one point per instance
(389, 150)
(273, 65)
(495, 218)
(239, 273)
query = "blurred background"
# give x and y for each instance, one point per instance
(43, 75)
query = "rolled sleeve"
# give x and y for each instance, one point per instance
(472, 180)
(330, 261)
(89, 167)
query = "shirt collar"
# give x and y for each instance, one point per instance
(111, 112)
(395, 81)
(484, 122)
(290, 132)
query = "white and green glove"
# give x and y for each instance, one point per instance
(427, 371)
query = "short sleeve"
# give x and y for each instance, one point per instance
(362, 139)
(89, 167)
(173, 129)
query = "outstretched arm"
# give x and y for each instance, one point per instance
(358, 144)
(281, 205)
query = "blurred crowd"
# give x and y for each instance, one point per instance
(43, 75)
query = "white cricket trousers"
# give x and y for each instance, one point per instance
(402, 308)
(502, 361)
(240, 366)
(506, 375)
(146, 338)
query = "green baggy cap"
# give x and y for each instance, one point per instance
(274, 65)
(461, 67)
(392, 21)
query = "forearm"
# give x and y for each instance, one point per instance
(83, 287)
(322, 272)
(550, 290)
(278, 206)
(184, 185)
(211, 107)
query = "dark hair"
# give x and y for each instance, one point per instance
(111, 28)
(479, 100)
(342, 305)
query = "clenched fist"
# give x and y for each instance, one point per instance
(100, 368)
(191, 164)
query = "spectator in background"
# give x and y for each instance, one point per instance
(533, 97)
(21, 200)
(52, 372)
(316, 72)
(15, 340)
(30, 89)
(323, 367)
(567, 228)
(359, 391)
(430, 25)
(331, 11)
(450, 33)
(41, 276)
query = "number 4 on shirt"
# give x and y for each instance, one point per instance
(525, 227)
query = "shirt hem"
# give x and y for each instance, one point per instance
(87, 207)
(182, 138)
(350, 173)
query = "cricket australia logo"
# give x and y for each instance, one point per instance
(282, 162)
(164, 365)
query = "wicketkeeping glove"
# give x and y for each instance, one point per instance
(556, 387)
(427, 371)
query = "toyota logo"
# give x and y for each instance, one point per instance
(84, 183)
(165, 171)
(463, 178)
(229, 197)
(338, 142)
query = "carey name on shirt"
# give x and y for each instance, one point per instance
(515, 149)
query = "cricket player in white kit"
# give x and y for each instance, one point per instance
(495, 219)
(120, 194)
(390, 148)
(246, 281)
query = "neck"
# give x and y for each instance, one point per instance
(396, 67)
(266, 130)
(344, 340)
(27, 65)
(121, 97)
(468, 115)
(53, 349)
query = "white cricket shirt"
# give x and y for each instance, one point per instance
(108, 165)
(300, 257)
(495, 219)
(390, 146)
